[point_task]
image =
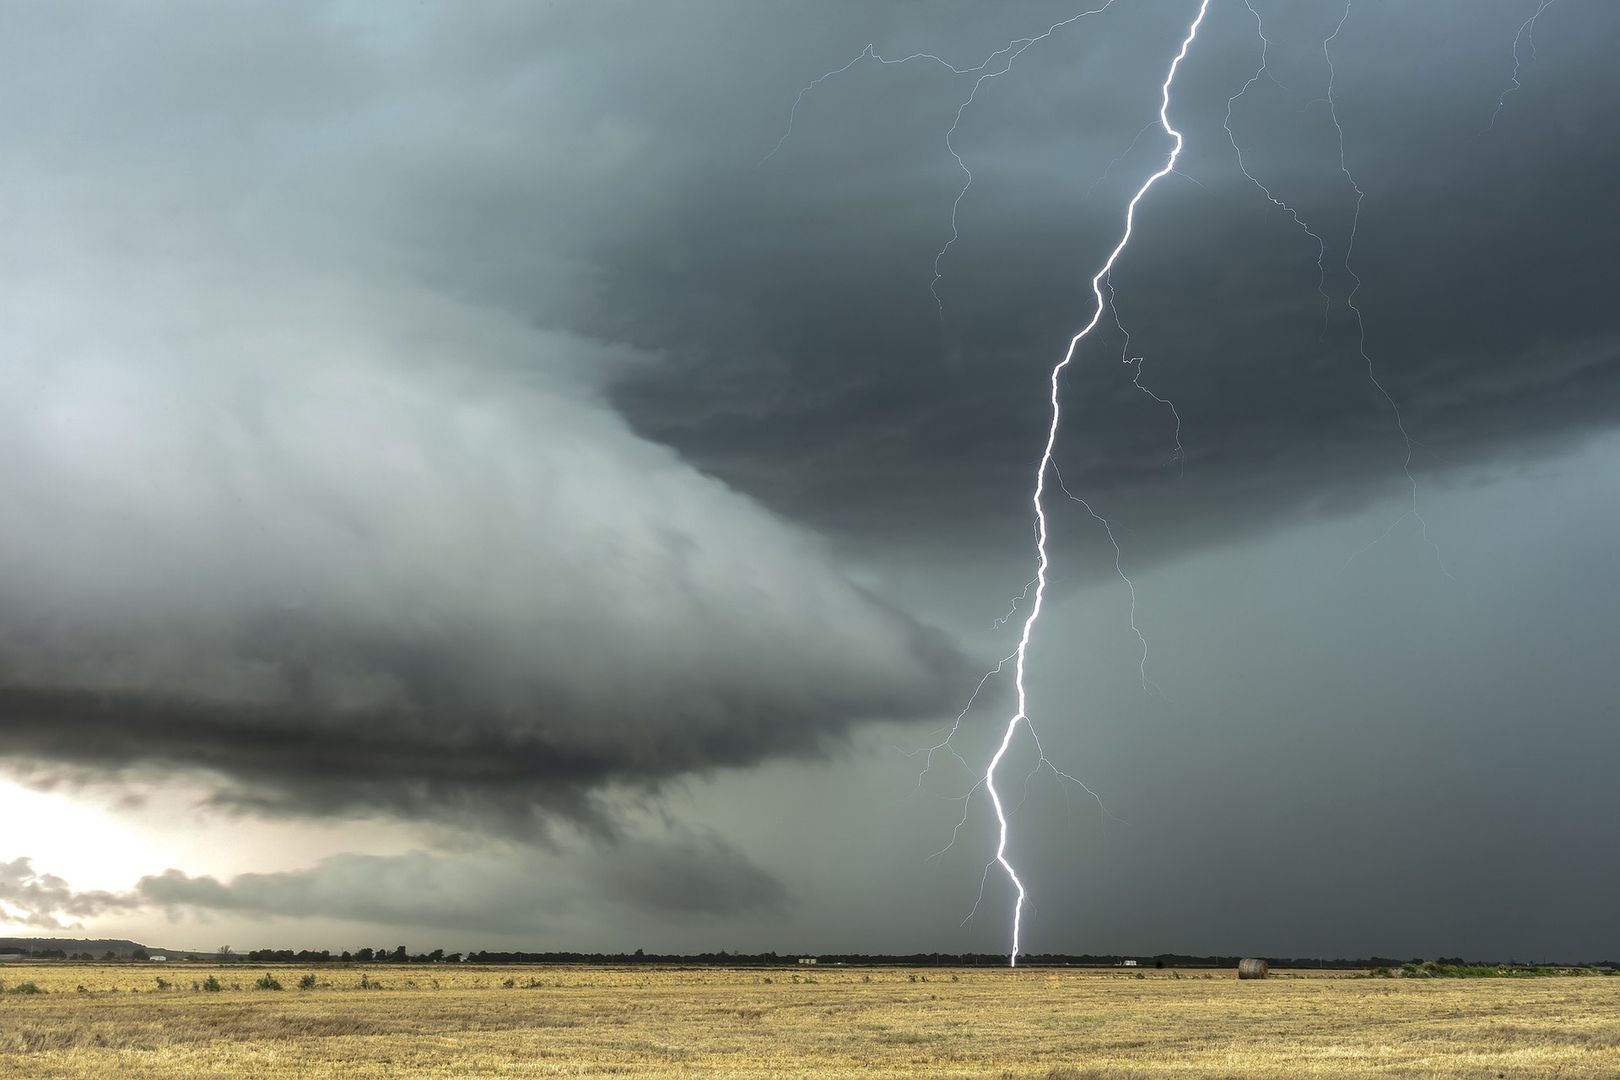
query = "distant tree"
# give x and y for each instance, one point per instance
(399, 954)
(225, 952)
(436, 955)
(140, 954)
(109, 955)
(364, 956)
(347, 956)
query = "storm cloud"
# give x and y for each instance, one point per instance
(329, 566)
(1482, 279)
(350, 543)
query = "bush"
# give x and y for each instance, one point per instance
(211, 984)
(307, 982)
(267, 981)
(25, 988)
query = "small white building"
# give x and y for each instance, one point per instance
(157, 959)
(1127, 963)
(807, 960)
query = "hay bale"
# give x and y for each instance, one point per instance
(1251, 968)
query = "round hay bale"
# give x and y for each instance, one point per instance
(1252, 968)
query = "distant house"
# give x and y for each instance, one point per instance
(807, 959)
(157, 959)
(1127, 963)
(4, 956)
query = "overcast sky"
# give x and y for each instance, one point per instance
(510, 475)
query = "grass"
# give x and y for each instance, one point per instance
(441, 1021)
(1434, 969)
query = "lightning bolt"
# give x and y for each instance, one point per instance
(1261, 72)
(1527, 31)
(1361, 323)
(1000, 63)
(993, 66)
(1046, 464)
(1125, 357)
(1413, 512)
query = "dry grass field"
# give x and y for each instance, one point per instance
(459, 1020)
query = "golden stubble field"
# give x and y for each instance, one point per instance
(455, 1020)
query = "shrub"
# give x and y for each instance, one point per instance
(211, 984)
(307, 982)
(25, 988)
(267, 981)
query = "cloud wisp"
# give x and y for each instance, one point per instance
(685, 877)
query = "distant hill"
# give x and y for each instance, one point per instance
(122, 948)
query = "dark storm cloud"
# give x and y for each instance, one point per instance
(1483, 257)
(358, 579)
(278, 511)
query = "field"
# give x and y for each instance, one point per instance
(453, 1020)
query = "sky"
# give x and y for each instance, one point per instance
(523, 476)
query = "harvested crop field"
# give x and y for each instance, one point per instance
(458, 1020)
